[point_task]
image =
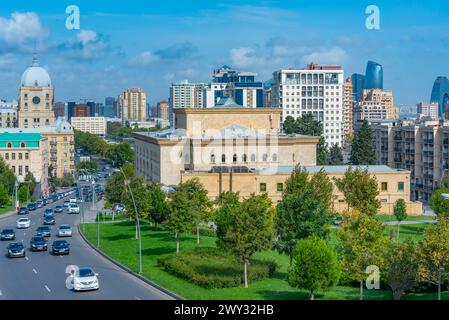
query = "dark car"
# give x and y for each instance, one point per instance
(38, 243)
(39, 204)
(60, 247)
(7, 234)
(59, 209)
(49, 220)
(16, 250)
(23, 210)
(32, 207)
(45, 201)
(43, 231)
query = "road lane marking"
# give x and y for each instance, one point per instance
(137, 298)
(48, 289)
(26, 258)
(1, 293)
(34, 270)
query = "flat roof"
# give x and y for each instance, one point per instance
(330, 169)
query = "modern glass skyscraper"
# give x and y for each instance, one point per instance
(440, 94)
(358, 83)
(374, 76)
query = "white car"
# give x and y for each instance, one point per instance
(74, 208)
(85, 278)
(64, 230)
(72, 200)
(23, 223)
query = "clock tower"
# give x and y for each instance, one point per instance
(36, 98)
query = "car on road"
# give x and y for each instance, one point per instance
(39, 204)
(48, 212)
(38, 243)
(66, 203)
(16, 250)
(43, 231)
(49, 220)
(23, 223)
(84, 279)
(45, 201)
(7, 234)
(60, 247)
(64, 230)
(32, 207)
(72, 200)
(59, 209)
(23, 210)
(74, 208)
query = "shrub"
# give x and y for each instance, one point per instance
(205, 231)
(212, 268)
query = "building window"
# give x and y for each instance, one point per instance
(253, 158)
(212, 158)
(401, 186)
(27, 169)
(22, 145)
(384, 186)
(234, 158)
(280, 187)
(263, 187)
(20, 156)
(244, 158)
(264, 157)
(14, 169)
(20, 170)
(27, 156)
(223, 158)
(275, 157)
(13, 156)
(9, 145)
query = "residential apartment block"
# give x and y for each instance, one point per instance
(132, 105)
(375, 104)
(8, 117)
(428, 110)
(93, 125)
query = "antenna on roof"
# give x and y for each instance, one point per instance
(35, 63)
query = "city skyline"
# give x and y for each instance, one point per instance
(112, 51)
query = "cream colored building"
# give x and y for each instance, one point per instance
(26, 152)
(348, 104)
(375, 104)
(132, 105)
(8, 117)
(393, 184)
(36, 98)
(163, 110)
(93, 125)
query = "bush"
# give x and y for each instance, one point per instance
(211, 268)
(205, 231)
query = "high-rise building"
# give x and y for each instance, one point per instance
(133, 105)
(374, 76)
(375, 104)
(358, 84)
(80, 110)
(315, 89)
(348, 106)
(163, 111)
(429, 110)
(59, 109)
(185, 95)
(440, 94)
(36, 97)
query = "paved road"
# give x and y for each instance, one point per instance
(42, 275)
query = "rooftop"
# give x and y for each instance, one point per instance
(330, 169)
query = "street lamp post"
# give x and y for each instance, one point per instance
(96, 213)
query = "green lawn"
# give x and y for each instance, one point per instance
(118, 241)
(388, 218)
(6, 209)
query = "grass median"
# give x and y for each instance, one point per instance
(118, 241)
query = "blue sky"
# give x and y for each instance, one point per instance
(150, 44)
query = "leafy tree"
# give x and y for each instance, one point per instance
(439, 204)
(244, 228)
(121, 154)
(89, 166)
(316, 266)
(199, 202)
(360, 191)
(23, 193)
(434, 254)
(7, 177)
(305, 210)
(335, 155)
(400, 212)
(142, 198)
(180, 215)
(362, 151)
(289, 125)
(401, 267)
(4, 197)
(158, 211)
(30, 181)
(115, 188)
(362, 244)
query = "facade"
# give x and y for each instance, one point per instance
(26, 152)
(348, 106)
(374, 76)
(59, 109)
(393, 184)
(428, 110)
(8, 117)
(375, 104)
(36, 98)
(109, 107)
(93, 125)
(163, 110)
(358, 84)
(314, 89)
(227, 135)
(440, 94)
(78, 110)
(187, 95)
(133, 105)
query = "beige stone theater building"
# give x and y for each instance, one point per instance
(232, 148)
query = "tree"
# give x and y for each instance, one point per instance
(362, 244)
(121, 154)
(434, 254)
(115, 188)
(335, 155)
(4, 197)
(305, 210)
(244, 228)
(439, 204)
(31, 182)
(199, 202)
(362, 151)
(360, 191)
(23, 193)
(289, 125)
(400, 212)
(401, 267)
(180, 215)
(316, 266)
(7, 176)
(158, 211)
(89, 166)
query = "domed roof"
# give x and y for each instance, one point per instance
(35, 76)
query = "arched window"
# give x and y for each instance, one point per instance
(223, 158)
(234, 158)
(253, 158)
(245, 158)
(22, 144)
(212, 158)
(9, 145)
(275, 157)
(264, 157)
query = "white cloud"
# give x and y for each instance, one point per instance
(335, 55)
(88, 45)
(86, 36)
(144, 59)
(6, 60)
(22, 32)
(245, 57)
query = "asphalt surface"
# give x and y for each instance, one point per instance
(42, 276)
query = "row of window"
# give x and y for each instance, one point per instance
(9, 145)
(280, 186)
(20, 156)
(20, 170)
(244, 158)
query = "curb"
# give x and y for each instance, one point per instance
(171, 294)
(7, 215)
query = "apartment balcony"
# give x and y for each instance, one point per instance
(427, 164)
(397, 149)
(53, 158)
(72, 158)
(397, 160)
(384, 160)
(428, 141)
(428, 153)
(53, 143)
(410, 140)
(445, 154)
(446, 141)
(397, 138)
(53, 150)
(72, 143)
